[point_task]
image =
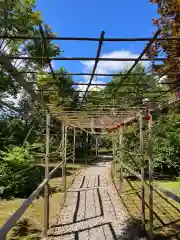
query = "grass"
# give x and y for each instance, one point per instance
(166, 214)
(31, 222)
(103, 150)
(173, 186)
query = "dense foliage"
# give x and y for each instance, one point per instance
(18, 170)
(166, 151)
(169, 24)
(22, 121)
(166, 131)
(166, 144)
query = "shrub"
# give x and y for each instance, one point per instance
(18, 174)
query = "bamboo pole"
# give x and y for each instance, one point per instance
(121, 157)
(115, 150)
(86, 148)
(74, 146)
(96, 146)
(91, 142)
(25, 204)
(142, 170)
(46, 188)
(113, 161)
(150, 177)
(63, 154)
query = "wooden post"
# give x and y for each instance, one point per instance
(113, 162)
(74, 146)
(63, 155)
(142, 170)
(115, 151)
(150, 177)
(96, 146)
(121, 157)
(46, 188)
(86, 148)
(91, 147)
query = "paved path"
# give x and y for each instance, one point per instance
(93, 209)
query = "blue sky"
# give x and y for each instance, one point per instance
(118, 18)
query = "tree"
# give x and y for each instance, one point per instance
(139, 88)
(165, 143)
(169, 24)
(166, 133)
(19, 18)
(58, 91)
(19, 176)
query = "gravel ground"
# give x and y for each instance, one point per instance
(93, 209)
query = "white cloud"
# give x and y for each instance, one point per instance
(108, 66)
(111, 66)
(94, 88)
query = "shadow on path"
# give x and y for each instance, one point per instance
(107, 227)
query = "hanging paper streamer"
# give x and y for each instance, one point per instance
(147, 117)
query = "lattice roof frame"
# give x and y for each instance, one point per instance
(82, 119)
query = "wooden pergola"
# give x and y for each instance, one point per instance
(100, 117)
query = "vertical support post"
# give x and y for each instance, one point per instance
(46, 188)
(142, 170)
(86, 148)
(91, 147)
(63, 156)
(150, 177)
(115, 149)
(113, 162)
(74, 146)
(96, 146)
(121, 157)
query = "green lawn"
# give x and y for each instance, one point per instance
(172, 186)
(166, 213)
(104, 150)
(31, 222)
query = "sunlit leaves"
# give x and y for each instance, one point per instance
(169, 23)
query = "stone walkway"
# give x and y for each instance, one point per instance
(93, 209)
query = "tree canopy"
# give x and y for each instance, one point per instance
(169, 24)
